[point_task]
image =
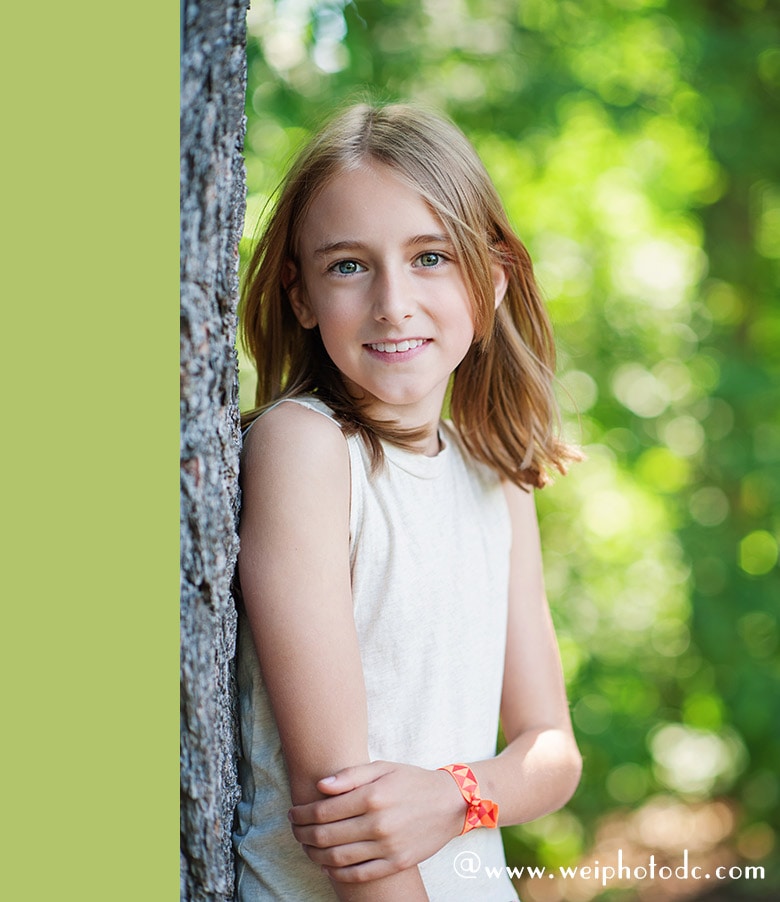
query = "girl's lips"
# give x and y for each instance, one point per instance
(396, 351)
(393, 347)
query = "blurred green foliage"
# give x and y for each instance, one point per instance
(636, 146)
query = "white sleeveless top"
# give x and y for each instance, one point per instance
(429, 554)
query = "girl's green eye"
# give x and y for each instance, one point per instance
(346, 267)
(430, 259)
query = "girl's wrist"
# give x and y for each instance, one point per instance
(480, 811)
(454, 806)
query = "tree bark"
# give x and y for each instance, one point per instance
(213, 70)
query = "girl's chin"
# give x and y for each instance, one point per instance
(399, 398)
(405, 406)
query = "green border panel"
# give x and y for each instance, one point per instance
(90, 487)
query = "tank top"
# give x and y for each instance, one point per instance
(429, 558)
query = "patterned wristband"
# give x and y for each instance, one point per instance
(481, 812)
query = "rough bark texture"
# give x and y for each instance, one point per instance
(213, 65)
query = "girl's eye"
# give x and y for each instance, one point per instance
(346, 267)
(430, 259)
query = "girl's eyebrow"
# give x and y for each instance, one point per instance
(349, 244)
(428, 239)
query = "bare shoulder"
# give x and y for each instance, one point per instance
(295, 503)
(293, 439)
(295, 482)
(294, 425)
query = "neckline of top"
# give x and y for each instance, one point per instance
(419, 464)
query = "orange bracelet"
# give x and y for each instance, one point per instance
(481, 812)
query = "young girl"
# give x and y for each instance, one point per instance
(390, 570)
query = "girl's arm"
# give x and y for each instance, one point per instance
(295, 581)
(540, 767)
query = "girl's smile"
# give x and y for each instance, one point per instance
(398, 350)
(379, 276)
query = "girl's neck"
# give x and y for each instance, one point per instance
(430, 445)
(426, 422)
(422, 416)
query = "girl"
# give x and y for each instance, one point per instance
(390, 568)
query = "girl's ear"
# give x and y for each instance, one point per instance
(500, 282)
(292, 285)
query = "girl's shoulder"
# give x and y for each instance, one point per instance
(297, 436)
(289, 410)
(307, 402)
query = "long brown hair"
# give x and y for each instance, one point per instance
(502, 398)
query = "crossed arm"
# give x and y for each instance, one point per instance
(360, 824)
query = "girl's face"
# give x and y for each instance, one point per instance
(380, 278)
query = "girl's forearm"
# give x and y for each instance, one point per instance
(535, 774)
(405, 886)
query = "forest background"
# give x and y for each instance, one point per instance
(636, 145)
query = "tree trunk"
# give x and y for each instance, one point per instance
(213, 64)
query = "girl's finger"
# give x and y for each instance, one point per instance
(342, 856)
(362, 873)
(326, 811)
(324, 836)
(352, 777)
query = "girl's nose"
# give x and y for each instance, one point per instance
(393, 299)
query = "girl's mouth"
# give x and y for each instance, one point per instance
(396, 347)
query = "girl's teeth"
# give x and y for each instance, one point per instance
(390, 347)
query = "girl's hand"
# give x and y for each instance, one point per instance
(383, 818)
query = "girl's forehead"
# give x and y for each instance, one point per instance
(371, 199)
(373, 177)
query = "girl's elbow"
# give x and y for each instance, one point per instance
(571, 772)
